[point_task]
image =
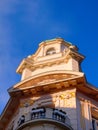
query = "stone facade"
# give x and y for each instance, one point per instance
(53, 93)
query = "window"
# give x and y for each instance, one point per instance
(50, 51)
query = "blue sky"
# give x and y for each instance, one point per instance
(26, 23)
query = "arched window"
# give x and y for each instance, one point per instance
(50, 51)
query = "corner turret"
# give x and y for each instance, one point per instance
(52, 55)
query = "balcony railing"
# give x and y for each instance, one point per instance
(44, 113)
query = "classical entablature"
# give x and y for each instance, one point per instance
(53, 81)
(48, 81)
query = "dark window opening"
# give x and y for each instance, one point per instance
(50, 51)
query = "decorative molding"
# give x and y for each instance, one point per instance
(26, 103)
(46, 79)
(67, 95)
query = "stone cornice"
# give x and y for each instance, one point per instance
(32, 65)
(56, 74)
(47, 83)
(54, 82)
(56, 40)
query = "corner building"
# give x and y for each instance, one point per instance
(53, 93)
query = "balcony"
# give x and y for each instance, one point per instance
(44, 115)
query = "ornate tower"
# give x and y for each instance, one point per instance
(52, 93)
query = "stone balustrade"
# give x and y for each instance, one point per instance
(42, 113)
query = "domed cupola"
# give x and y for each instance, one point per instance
(54, 55)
